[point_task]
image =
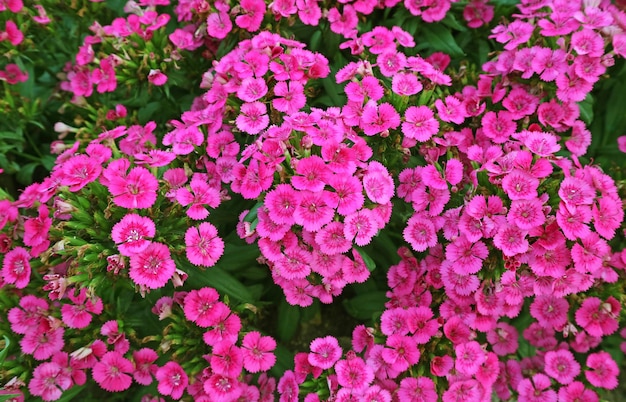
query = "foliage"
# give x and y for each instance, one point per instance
(306, 200)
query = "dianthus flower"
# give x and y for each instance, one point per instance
(598, 318)
(152, 267)
(202, 245)
(16, 267)
(203, 307)
(354, 373)
(132, 232)
(112, 372)
(47, 382)
(172, 380)
(603, 370)
(135, 190)
(420, 389)
(77, 315)
(536, 389)
(561, 365)
(144, 359)
(325, 352)
(257, 352)
(576, 392)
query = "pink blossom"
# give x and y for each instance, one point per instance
(172, 380)
(561, 365)
(226, 329)
(78, 171)
(400, 352)
(603, 370)
(512, 35)
(77, 315)
(312, 174)
(313, 211)
(131, 234)
(47, 382)
(450, 110)
(469, 256)
(469, 356)
(16, 267)
(573, 220)
(29, 315)
(332, 240)
(607, 215)
(153, 267)
(360, 227)
(576, 392)
(289, 97)
(511, 240)
(598, 318)
(467, 390)
(503, 338)
(379, 118)
(420, 232)
(203, 307)
(202, 245)
(253, 118)
(252, 15)
(536, 389)
(349, 192)
(43, 342)
(252, 89)
(354, 373)
(36, 231)
(420, 389)
(325, 352)
(226, 359)
(112, 372)
(144, 359)
(549, 310)
(135, 190)
(222, 388)
(201, 194)
(343, 24)
(218, 25)
(257, 352)
(498, 126)
(406, 84)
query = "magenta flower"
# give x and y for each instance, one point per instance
(325, 352)
(450, 110)
(144, 359)
(420, 232)
(226, 359)
(312, 174)
(406, 84)
(43, 342)
(599, 318)
(172, 380)
(131, 234)
(203, 245)
(112, 372)
(511, 240)
(222, 388)
(420, 389)
(349, 192)
(29, 315)
(252, 15)
(78, 171)
(360, 227)
(257, 352)
(289, 97)
(135, 190)
(549, 310)
(561, 365)
(77, 315)
(378, 118)
(576, 391)
(463, 390)
(313, 211)
(201, 194)
(153, 267)
(252, 118)
(354, 373)
(468, 256)
(203, 307)
(400, 352)
(536, 389)
(16, 267)
(48, 382)
(526, 214)
(252, 89)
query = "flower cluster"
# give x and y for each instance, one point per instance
(127, 267)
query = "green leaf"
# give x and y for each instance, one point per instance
(439, 38)
(217, 278)
(25, 174)
(145, 113)
(8, 397)
(366, 306)
(5, 350)
(71, 393)
(452, 22)
(369, 262)
(288, 320)
(586, 109)
(11, 136)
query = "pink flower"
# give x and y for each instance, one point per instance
(354, 373)
(314, 211)
(112, 372)
(135, 190)
(536, 389)
(420, 389)
(420, 232)
(78, 171)
(16, 267)
(252, 89)
(561, 365)
(201, 194)
(203, 246)
(77, 315)
(378, 183)
(257, 352)
(226, 359)
(621, 142)
(36, 231)
(603, 370)
(549, 310)
(526, 214)
(573, 220)
(599, 318)
(29, 315)
(312, 174)
(203, 307)
(466, 255)
(131, 233)
(450, 110)
(360, 227)
(511, 240)
(469, 356)
(463, 390)
(281, 204)
(252, 118)
(289, 97)
(332, 239)
(252, 15)
(325, 352)
(144, 359)
(503, 338)
(172, 380)
(156, 77)
(400, 352)
(576, 392)
(378, 118)
(225, 330)
(498, 126)
(406, 84)
(152, 267)
(222, 388)
(47, 382)
(349, 192)
(513, 35)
